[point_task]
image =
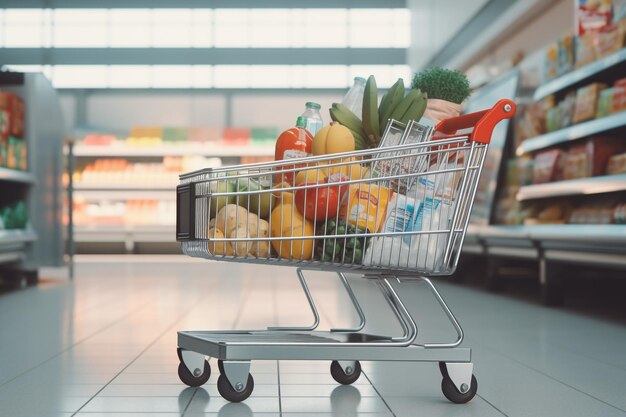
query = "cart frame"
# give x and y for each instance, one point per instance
(344, 346)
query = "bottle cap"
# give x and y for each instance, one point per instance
(301, 121)
(360, 79)
(313, 105)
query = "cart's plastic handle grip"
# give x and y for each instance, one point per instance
(483, 121)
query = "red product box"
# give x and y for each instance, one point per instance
(547, 165)
(600, 150)
(14, 106)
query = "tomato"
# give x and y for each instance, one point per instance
(318, 203)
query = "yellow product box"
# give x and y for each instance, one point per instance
(366, 206)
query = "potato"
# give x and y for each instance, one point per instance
(241, 247)
(212, 224)
(260, 249)
(219, 248)
(230, 217)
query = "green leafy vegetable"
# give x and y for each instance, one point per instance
(443, 84)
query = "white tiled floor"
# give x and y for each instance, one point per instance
(105, 346)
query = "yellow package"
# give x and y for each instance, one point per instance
(366, 206)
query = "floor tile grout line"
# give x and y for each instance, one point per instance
(195, 391)
(496, 408)
(176, 321)
(379, 394)
(280, 398)
(72, 346)
(547, 375)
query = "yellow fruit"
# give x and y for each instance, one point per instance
(282, 197)
(311, 175)
(353, 170)
(285, 222)
(333, 138)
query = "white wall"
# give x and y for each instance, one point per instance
(434, 23)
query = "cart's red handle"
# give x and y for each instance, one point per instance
(483, 121)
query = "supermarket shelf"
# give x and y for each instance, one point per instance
(17, 236)
(12, 256)
(14, 175)
(580, 74)
(583, 186)
(575, 132)
(214, 149)
(125, 194)
(109, 233)
(123, 187)
(592, 234)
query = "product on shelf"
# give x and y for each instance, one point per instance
(13, 107)
(236, 135)
(263, 134)
(593, 15)
(546, 165)
(586, 49)
(611, 39)
(587, 102)
(14, 216)
(99, 140)
(204, 134)
(619, 96)
(616, 164)
(605, 102)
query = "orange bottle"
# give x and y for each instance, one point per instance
(292, 143)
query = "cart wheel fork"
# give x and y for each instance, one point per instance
(237, 373)
(193, 361)
(459, 373)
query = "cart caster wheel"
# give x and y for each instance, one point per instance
(194, 380)
(231, 394)
(451, 392)
(339, 375)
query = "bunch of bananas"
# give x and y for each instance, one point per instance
(395, 105)
(368, 130)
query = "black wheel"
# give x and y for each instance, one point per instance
(229, 393)
(453, 394)
(338, 374)
(194, 380)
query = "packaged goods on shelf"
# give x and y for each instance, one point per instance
(14, 216)
(263, 134)
(593, 15)
(546, 165)
(98, 140)
(236, 135)
(554, 213)
(586, 49)
(175, 134)
(605, 102)
(619, 96)
(611, 39)
(587, 102)
(616, 164)
(204, 134)
(130, 212)
(12, 108)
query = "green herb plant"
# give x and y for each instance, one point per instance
(443, 84)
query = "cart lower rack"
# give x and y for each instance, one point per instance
(395, 214)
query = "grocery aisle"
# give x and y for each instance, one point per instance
(109, 347)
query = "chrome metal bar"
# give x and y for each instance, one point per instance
(356, 305)
(394, 308)
(453, 320)
(309, 297)
(412, 327)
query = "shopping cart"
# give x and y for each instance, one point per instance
(396, 213)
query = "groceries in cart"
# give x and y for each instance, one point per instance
(380, 189)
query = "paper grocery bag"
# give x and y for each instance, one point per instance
(438, 110)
